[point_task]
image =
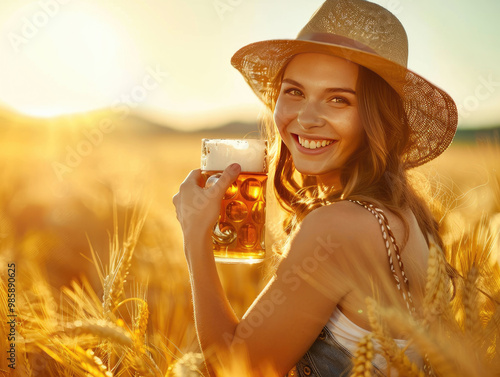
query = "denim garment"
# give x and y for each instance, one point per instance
(326, 358)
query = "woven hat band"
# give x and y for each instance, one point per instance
(335, 39)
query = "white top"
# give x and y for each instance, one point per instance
(349, 334)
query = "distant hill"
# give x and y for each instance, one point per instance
(232, 129)
(471, 135)
(134, 124)
(140, 125)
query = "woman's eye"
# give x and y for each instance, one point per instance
(293, 92)
(339, 100)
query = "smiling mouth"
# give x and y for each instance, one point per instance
(313, 143)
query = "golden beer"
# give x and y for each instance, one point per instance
(239, 234)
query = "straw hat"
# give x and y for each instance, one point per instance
(371, 36)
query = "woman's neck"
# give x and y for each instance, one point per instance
(330, 181)
(329, 184)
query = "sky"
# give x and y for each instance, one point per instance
(170, 59)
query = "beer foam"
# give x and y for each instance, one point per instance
(217, 154)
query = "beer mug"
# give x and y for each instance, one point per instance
(239, 234)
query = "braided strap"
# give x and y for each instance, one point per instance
(389, 240)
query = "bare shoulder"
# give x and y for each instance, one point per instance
(342, 232)
(345, 220)
(340, 245)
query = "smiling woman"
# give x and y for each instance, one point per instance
(346, 121)
(317, 114)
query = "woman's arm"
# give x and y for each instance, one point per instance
(289, 313)
(197, 211)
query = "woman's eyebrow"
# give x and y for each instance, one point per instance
(327, 90)
(293, 82)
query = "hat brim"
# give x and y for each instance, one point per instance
(431, 112)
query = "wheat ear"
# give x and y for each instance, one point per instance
(380, 333)
(395, 356)
(472, 323)
(121, 260)
(101, 328)
(437, 298)
(91, 364)
(445, 360)
(362, 362)
(189, 365)
(141, 321)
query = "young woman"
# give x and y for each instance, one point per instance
(349, 120)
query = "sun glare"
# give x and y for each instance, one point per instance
(73, 64)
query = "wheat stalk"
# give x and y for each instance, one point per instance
(141, 321)
(90, 363)
(395, 356)
(189, 365)
(472, 323)
(380, 332)
(121, 260)
(362, 362)
(102, 329)
(458, 360)
(144, 364)
(437, 297)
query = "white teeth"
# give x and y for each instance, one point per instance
(314, 144)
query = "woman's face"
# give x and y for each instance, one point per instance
(317, 113)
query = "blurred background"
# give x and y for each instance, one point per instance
(103, 105)
(61, 57)
(106, 102)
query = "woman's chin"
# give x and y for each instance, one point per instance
(313, 171)
(330, 177)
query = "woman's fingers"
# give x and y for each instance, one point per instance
(202, 205)
(228, 176)
(193, 178)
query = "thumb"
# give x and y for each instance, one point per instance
(227, 178)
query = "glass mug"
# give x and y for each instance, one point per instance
(239, 234)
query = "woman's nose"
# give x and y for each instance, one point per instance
(309, 116)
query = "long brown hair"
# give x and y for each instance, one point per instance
(377, 172)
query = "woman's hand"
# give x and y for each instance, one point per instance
(198, 208)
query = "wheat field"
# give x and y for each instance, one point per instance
(101, 284)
